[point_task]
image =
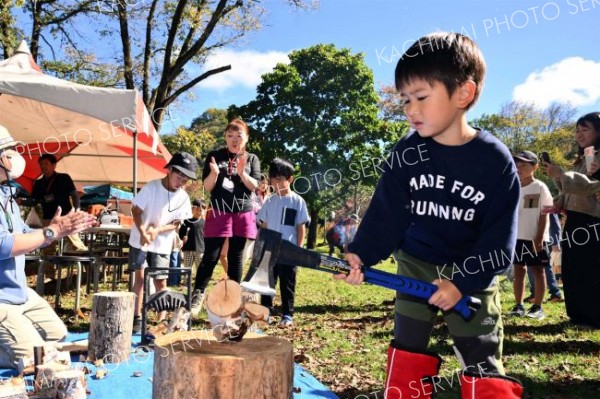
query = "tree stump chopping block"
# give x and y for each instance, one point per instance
(111, 326)
(193, 364)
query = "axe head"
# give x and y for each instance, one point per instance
(260, 277)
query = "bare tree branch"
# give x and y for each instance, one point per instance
(216, 16)
(126, 43)
(47, 17)
(147, 53)
(49, 45)
(159, 40)
(175, 21)
(168, 100)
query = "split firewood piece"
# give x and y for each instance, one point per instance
(74, 346)
(230, 311)
(159, 329)
(13, 388)
(250, 297)
(45, 378)
(101, 373)
(70, 384)
(233, 330)
(179, 321)
(256, 312)
(225, 298)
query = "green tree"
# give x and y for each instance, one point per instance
(521, 125)
(526, 127)
(196, 143)
(8, 31)
(214, 121)
(320, 113)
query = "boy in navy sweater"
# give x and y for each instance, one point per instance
(448, 212)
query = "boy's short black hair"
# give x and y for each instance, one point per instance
(281, 167)
(446, 57)
(49, 157)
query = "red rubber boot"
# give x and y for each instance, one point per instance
(489, 386)
(409, 373)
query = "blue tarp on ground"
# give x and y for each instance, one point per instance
(120, 382)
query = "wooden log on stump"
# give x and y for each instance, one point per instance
(193, 364)
(224, 299)
(111, 326)
(231, 313)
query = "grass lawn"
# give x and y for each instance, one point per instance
(341, 334)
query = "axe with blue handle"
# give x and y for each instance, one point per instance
(270, 248)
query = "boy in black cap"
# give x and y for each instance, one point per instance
(448, 213)
(157, 211)
(532, 235)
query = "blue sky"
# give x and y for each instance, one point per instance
(539, 51)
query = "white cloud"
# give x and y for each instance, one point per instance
(246, 68)
(573, 80)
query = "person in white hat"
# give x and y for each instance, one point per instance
(26, 319)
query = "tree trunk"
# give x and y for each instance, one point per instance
(126, 44)
(311, 241)
(193, 364)
(110, 326)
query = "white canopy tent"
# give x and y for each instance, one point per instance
(100, 135)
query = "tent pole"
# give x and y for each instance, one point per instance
(135, 162)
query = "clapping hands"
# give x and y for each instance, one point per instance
(72, 223)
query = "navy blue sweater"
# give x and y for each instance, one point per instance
(452, 206)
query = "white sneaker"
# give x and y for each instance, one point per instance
(197, 301)
(286, 321)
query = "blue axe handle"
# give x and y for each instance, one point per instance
(466, 307)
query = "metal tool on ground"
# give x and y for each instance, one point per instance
(270, 248)
(170, 301)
